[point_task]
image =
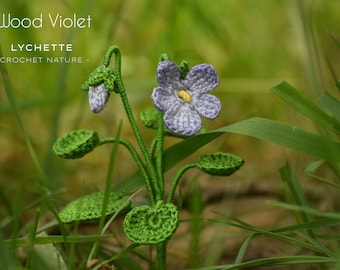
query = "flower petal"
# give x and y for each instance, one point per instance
(184, 120)
(207, 105)
(201, 78)
(98, 96)
(164, 99)
(168, 75)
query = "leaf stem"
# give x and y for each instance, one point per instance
(176, 179)
(155, 193)
(135, 156)
(161, 256)
(159, 154)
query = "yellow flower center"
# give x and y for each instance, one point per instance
(184, 95)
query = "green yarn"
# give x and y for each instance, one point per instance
(76, 144)
(183, 68)
(219, 164)
(151, 225)
(149, 117)
(100, 75)
(89, 207)
(164, 57)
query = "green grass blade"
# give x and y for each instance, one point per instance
(195, 208)
(261, 128)
(176, 153)
(324, 180)
(45, 256)
(299, 102)
(286, 260)
(288, 136)
(320, 223)
(12, 100)
(272, 234)
(6, 256)
(296, 192)
(42, 240)
(243, 249)
(330, 103)
(329, 215)
(108, 186)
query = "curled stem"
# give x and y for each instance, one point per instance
(155, 195)
(176, 179)
(108, 55)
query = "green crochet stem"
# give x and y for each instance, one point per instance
(161, 256)
(154, 192)
(177, 178)
(107, 57)
(135, 156)
(159, 153)
(153, 147)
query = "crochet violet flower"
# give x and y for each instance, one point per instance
(184, 100)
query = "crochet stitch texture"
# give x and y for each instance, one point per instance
(98, 96)
(99, 85)
(89, 207)
(183, 101)
(76, 144)
(151, 225)
(219, 164)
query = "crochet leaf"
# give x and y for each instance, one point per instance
(151, 225)
(100, 75)
(219, 164)
(76, 144)
(89, 207)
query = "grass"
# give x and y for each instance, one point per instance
(254, 46)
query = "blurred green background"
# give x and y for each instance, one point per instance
(253, 45)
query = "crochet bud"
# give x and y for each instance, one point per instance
(149, 117)
(99, 85)
(98, 96)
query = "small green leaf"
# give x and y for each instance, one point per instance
(100, 75)
(330, 103)
(219, 164)
(89, 207)
(151, 225)
(76, 144)
(288, 136)
(149, 117)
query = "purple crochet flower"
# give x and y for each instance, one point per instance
(184, 100)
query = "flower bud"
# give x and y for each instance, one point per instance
(98, 96)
